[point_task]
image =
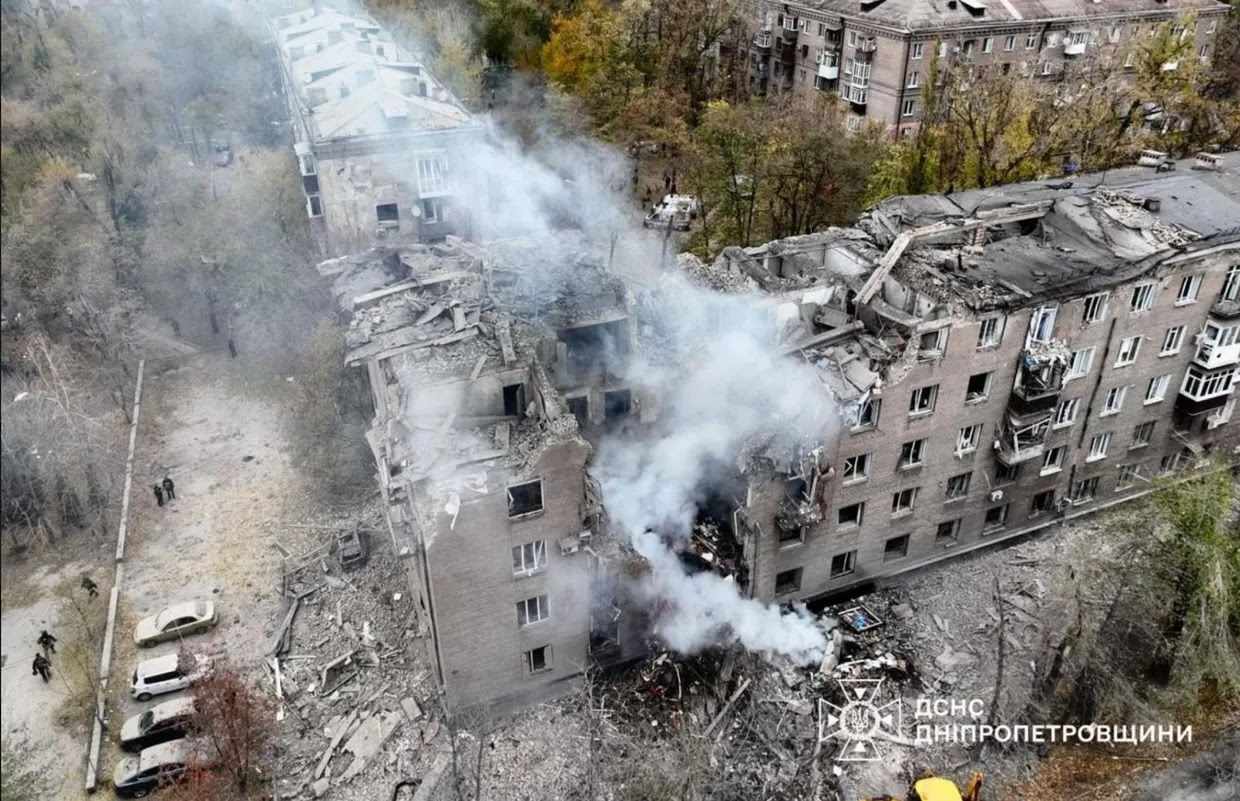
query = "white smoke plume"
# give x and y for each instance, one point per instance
(732, 389)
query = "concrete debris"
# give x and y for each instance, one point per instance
(368, 739)
(411, 709)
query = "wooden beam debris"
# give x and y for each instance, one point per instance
(728, 706)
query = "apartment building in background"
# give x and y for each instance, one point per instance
(375, 133)
(876, 54)
(1000, 361)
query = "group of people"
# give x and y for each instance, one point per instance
(166, 489)
(42, 663)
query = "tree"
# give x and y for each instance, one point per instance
(233, 730)
(1171, 589)
(581, 46)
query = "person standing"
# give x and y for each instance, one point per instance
(159, 495)
(91, 587)
(41, 667)
(47, 642)
(169, 489)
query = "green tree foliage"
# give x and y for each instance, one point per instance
(981, 127)
(766, 169)
(1169, 582)
(327, 414)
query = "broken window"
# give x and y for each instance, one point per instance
(617, 404)
(857, 468)
(580, 408)
(1079, 362)
(1114, 401)
(912, 454)
(1190, 285)
(532, 610)
(1231, 285)
(1098, 446)
(1169, 463)
(388, 214)
(996, 517)
(1042, 324)
(538, 659)
(1095, 308)
(902, 501)
(1142, 434)
(1156, 390)
(968, 438)
(1172, 339)
(590, 349)
(932, 344)
(1128, 350)
(797, 489)
(851, 515)
(1006, 474)
(314, 206)
(1052, 460)
(843, 564)
(895, 548)
(1065, 412)
(866, 414)
(434, 210)
(990, 332)
(525, 499)
(529, 557)
(1128, 475)
(958, 486)
(1085, 490)
(1042, 503)
(788, 581)
(978, 387)
(1142, 297)
(947, 531)
(432, 175)
(514, 400)
(921, 400)
(789, 536)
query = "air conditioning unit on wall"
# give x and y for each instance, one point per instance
(996, 495)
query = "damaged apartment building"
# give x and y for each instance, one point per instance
(1004, 359)
(491, 367)
(1000, 360)
(375, 133)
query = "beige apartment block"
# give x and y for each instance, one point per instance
(876, 55)
(998, 361)
(375, 134)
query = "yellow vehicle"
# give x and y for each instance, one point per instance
(929, 787)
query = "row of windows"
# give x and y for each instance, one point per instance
(995, 518)
(857, 468)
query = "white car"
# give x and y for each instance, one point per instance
(175, 622)
(167, 674)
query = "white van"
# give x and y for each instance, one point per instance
(167, 674)
(1152, 158)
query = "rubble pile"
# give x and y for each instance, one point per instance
(348, 670)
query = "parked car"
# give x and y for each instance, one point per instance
(679, 210)
(170, 720)
(351, 548)
(158, 765)
(167, 674)
(178, 620)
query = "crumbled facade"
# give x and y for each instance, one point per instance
(375, 133)
(1000, 361)
(876, 55)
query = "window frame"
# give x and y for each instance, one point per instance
(922, 400)
(848, 564)
(856, 522)
(889, 555)
(915, 447)
(1113, 401)
(531, 513)
(1071, 371)
(1073, 404)
(537, 548)
(1158, 384)
(1095, 308)
(796, 573)
(860, 470)
(961, 490)
(1128, 351)
(1176, 335)
(1142, 299)
(963, 446)
(1099, 447)
(1190, 289)
(540, 605)
(904, 501)
(547, 660)
(1052, 460)
(997, 324)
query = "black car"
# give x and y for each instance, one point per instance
(170, 720)
(352, 549)
(139, 776)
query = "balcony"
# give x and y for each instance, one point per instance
(762, 42)
(788, 52)
(857, 95)
(865, 51)
(1022, 438)
(1039, 381)
(1204, 390)
(828, 71)
(789, 34)
(1224, 309)
(1218, 345)
(1074, 48)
